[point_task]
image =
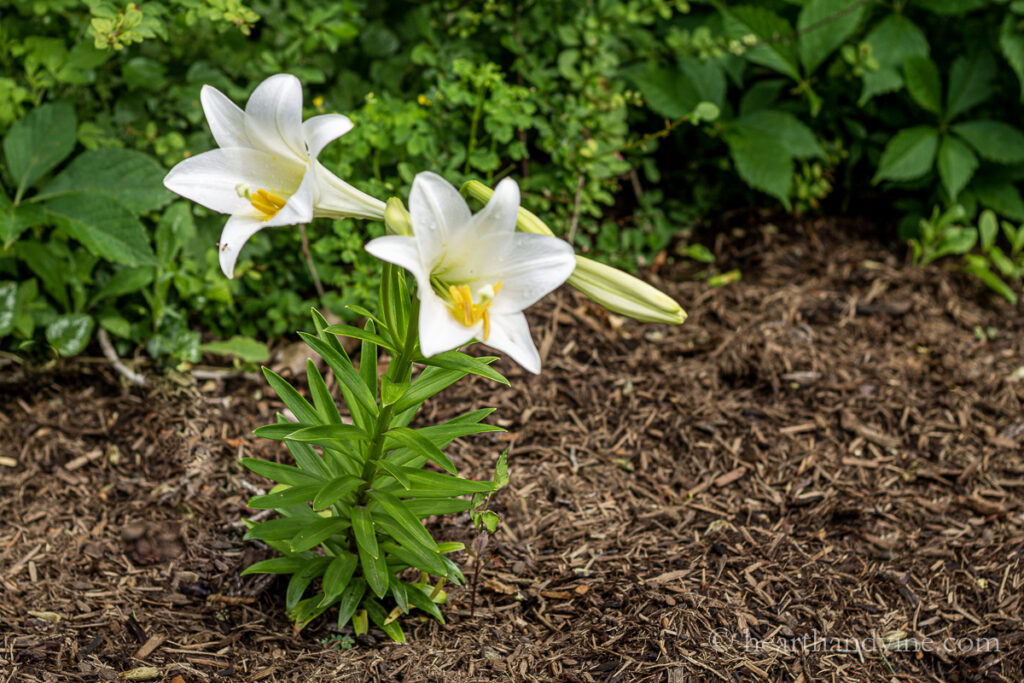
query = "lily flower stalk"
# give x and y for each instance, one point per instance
(614, 289)
(265, 172)
(475, 274)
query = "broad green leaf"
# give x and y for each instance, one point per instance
(280, 529)
(283, 474)
(979, 269)
(306, 611)
(39, 141)
(988, 228)
(130, 178)
(775, 45)
(335, 490)
(762, 162)
(276, 565)
(299, 406)
(8, 306)
(970, 82)
(279, 431)
(106, 228)
(413, 440)
(124, 281)
(993, 140)
(338, 575)
(311, 569)
(244, 348)
(922, 78)
(668, 92)
(418, 598)
(956, 163)
(429, 382)
(824, 25)
(390, 391)
(785, 129)
(396, 471)
(1002, 197)
(400, 592)
(329, 432)
(426, 507)
(456, 360)
(366, 537)
(350, 600)
(281, 499)
(892, 40)
(908, 155)
(375, 571)
(70, 333)
(41, 260)
(315, 533)
(408, 521)
(417, 554)
(707, 78)
(368, 359)
(1011, 44)
(380, 617)
(15, 220)
(427, 484)
(175, 229)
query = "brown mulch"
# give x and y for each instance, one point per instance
(818, 477)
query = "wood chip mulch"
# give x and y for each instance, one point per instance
(818, 477)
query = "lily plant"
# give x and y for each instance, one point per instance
(265, 172)
(350, 530)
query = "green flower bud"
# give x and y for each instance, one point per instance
(396, 218)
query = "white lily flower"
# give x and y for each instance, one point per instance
(475, 273)
(265, 173)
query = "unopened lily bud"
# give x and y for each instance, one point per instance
(396, 218)
(610, 287)
(620, 292)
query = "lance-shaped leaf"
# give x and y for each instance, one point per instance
(413, 440)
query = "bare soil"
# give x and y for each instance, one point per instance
(818, 477)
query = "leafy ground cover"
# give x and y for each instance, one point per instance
(830, 448)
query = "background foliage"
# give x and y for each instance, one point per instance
(625, 122)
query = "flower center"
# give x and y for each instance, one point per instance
(468, 312)
(267, 203)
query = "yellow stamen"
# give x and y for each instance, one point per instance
(469, 313)
(266, 203)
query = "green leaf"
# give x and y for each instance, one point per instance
(987, 228)
(335, 490)
(39, 141)
(244, 348)
(380, 618)
(775, 48)
(130, 178)
(106, 228)
(280, 529)
(668, 92)
(390, 391)
(419, 599)
(922, 78)
(276, 565)
(824, 25)
(322, 399)
(977, 267)
(456, 360)
(762, 163)
(368, 360)
(357, 395)
(299, 406)
(301, 579)
(175, 229)
(366, 537)
(124, 281)
(283, 474)
(405, 519)
(329, 433)
(395, 471)
(413, 440)
(316, 532)
(409, 550)
(892, 40)
(707, 79)
(350, 600)
(970, 82)
(400, 592)
(427, 507)
(281, 499)
(784, 128)
(491, 520)
(1011, 44)
(427, 484)
(1002, 197)
(356, 333)
(375, 571)
(908, 155)
(338, 575)
(957, 164)
(70, 333)
(430, 381)
(8, 307)
(993, 140)
(15, 220)
(279, 431)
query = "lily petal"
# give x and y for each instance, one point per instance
(439, 331)
(320, 130)
(500, 213)
(437, 210)
(530, 267)
(337, 199)
(510, 334)
(226, 119)
(401, 251)
(233, 237)
(213, 178)
(298, 208)
(274, 116)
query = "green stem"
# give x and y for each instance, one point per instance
(398, 370)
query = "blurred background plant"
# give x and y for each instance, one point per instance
(625, 121)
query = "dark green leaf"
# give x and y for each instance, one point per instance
(317, 532)
(970, 82)
(244, 348)
(322, 400)
(762, 163)
(785, 129)
(908, 155)
(426, 507)
(956, 163)
(39, 141)
(284, 474)
(892, 40)
(775, 47)
(430, 381)
(980, 270)
(132, 179)
(411, 439)
(281, 529)
(824, 25)
(106, 228)
(70, 333)
(15, 220)
(301, 579)
(922, 78)
(350, 600)
(466, 364)
(289, 496)
(994, 140)
(358, 397)
(419, 599)
(335, 490)
(1002, 197)
(356, 333)
(427, 484)
(299, 406)
(401, 515)
(380, 618)
(338, 575)
(276, 565)
(366, 537)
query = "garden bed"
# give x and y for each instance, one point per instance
(826, 456)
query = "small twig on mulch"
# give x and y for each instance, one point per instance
(111, 355)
